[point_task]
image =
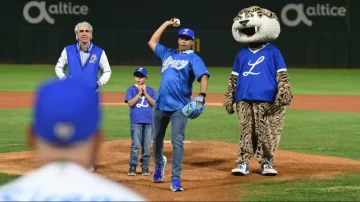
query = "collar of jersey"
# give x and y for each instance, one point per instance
(186, 52)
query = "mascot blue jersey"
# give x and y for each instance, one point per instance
(256, 72)
(178, 72)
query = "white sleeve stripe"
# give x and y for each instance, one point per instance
(235, 73)
(282, 70)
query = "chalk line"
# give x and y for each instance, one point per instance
(216, 104)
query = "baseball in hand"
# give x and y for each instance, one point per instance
(177, 21)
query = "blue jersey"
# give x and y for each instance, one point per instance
(256, 72)
(142, 111)
(178, 72)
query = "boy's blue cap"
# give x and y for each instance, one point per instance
(66, 112)
(186, 32)
(141, 70)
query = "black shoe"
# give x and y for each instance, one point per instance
(132, 171)
(145, 171)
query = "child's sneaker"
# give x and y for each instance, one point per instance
(132, 171)
(145, 171)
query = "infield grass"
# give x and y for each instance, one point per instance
(323, 133)
(303, 81)
(337, 188)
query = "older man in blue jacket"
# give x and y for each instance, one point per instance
(84, 59)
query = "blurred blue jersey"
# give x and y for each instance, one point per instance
(256, 72)
(179, 70)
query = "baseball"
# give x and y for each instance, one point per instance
(177, 21)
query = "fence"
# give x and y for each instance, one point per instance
(319, 34)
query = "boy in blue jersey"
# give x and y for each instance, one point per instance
(259, 85)
(141, 100)
(180, 68)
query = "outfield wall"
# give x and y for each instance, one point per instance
(327, 38)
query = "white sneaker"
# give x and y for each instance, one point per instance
(241, 170)
(268, 170)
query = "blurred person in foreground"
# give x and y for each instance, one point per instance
(65, 135)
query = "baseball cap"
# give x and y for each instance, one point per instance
(141, 70)
(66, 112)
(186, 32)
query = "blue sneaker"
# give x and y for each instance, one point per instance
(176, 185)
(160, 171)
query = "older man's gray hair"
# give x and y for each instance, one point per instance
(83, 23)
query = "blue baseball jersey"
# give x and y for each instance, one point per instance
(256, 72)
(178, 72)
(142, 111)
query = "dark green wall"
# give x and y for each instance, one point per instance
(123, 29)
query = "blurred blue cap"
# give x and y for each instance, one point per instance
(186, 32)
(66, 112)
(141, 70)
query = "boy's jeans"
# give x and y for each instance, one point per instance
(141, 136)
(178, 126)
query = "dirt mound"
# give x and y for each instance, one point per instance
(206, 170)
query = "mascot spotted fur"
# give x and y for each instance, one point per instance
(259, 87)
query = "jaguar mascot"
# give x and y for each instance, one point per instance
(259, 87)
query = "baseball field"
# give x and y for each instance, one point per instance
(318, 158)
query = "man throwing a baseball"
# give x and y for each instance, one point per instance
(84, 59)
(180, 68)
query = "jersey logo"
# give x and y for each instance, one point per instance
(175, 64)
(93, 59)
(252, 66)
(141, 104)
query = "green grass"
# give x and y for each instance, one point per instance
(4, 178)
(321, 133)
(338, 188)
(324, 133)
(303, 81)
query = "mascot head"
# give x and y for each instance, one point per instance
(255, 25)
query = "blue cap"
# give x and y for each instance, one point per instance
(186, 32)
(66, 112)
(141, 70)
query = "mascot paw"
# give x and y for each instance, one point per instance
(229, 102)
(229, 108)
(284, 97)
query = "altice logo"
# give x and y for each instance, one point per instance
(323, 10)
(57, 9)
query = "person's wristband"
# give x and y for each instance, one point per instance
(203, 94)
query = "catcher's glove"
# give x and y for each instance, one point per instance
(194, 108)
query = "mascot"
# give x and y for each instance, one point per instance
(259, 87)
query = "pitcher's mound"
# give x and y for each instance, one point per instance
(206, 169)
